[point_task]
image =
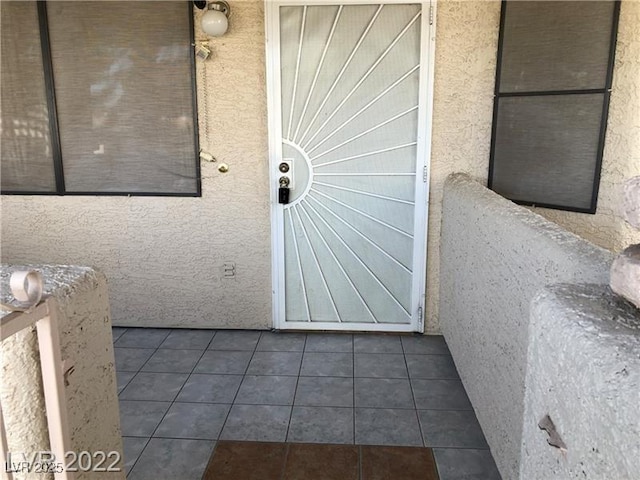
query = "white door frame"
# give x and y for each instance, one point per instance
(425, 114)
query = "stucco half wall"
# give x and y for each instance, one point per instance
(164, 256)
(589, 386)
(495, 257)
(84, 329)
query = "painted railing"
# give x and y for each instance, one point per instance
(43, 316)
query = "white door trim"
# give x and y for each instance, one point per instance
(425, 113)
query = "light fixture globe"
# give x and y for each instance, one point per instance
(214, 21)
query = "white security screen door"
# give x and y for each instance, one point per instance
(348, 110)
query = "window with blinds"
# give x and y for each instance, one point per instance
(553, 80)
(101, 100)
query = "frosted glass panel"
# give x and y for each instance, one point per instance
(27, 161)
(125, 100)
(560, 45)
(349, 96)
(547, 147)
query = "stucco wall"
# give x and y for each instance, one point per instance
(621, 159)
(495, 256)
(85, 339)
(590, 386)
(465, 64)
(163, 256)
(466, 49)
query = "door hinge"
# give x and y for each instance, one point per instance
(425, 174)
(430, 14)
(420, 319)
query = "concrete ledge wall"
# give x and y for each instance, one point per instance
(85, 336)
(494, 257)
(584, 372)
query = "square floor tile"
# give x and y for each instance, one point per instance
(223, 362)
(154, 386)
(326, 462)
(383, 393)
(235, 340)
(258, 423)
(267, 390)
(168, 458)
(377, 344)
(172, 361)
(406, 463)
(132, 448)
(193, 420)
(142, 337)
(116, 332)
(131, 359)
(210, 388)
(451, 428)
(329, 342)
(425, 344)
(188, 339)
(324, 392)
(440, 395)
(456, 463)
(432, 367)
(140, 418)
(275, 363)
(246, 461)
(281, 342)
(327, 364)
(123, 379)
(388, 365)
(321, 425)
(384, 426)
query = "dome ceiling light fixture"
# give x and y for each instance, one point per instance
(214, 21)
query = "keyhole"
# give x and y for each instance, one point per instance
(284, 167)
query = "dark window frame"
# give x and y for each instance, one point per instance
(606, 92)
(58, 163)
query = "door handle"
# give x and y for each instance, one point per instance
(285, 182)
(283, 189)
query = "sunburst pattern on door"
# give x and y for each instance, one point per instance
(349, 103)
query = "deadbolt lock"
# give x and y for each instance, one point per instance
(285, 182)
(284, 167)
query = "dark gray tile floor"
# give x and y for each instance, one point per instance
(182, 390)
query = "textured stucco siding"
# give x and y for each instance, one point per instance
(621, 158)
(163, 256)
(85, 339)
(21, 395)
(494, 257)
(589, 386)
(465, 65)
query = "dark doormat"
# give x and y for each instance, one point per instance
(233, 460)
